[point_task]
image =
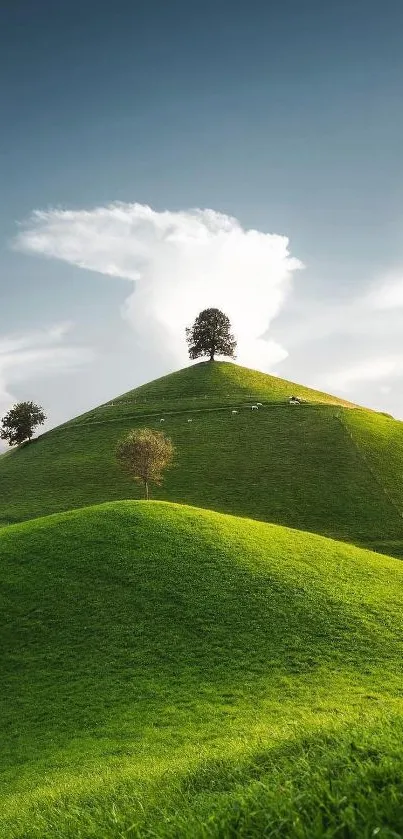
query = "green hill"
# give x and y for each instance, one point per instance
(324, 466)
(172, 672)
(205, 385)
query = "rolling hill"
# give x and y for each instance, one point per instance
(325, 466)
(175, 672)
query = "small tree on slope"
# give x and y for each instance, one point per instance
(211, 335)
(19, 424)
(144, 454)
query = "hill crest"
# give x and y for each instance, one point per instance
(320, 467)
(208, 385)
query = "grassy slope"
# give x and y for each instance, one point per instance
(250, 672)
(380, 441)
(293, 466)
(211, 384)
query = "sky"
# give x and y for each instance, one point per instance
(159, 158)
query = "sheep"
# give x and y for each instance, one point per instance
(162, 420)
(255, 408)
(234, 412)
(189, 420)
(259, 404)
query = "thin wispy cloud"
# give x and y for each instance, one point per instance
(37, 353)
(387, 294)
(369, 370)
(351, 344)
(177, 263)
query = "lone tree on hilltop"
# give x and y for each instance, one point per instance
(144, 454)
(211, 335)
(19, 424)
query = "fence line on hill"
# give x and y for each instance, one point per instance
(89, 420)
(370, 468)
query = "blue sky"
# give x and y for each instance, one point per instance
(283, 115)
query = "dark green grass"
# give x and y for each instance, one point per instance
(380, 441)
(205, 386)
(173, 672)
(292, 466)
(297, 466)
(214, 383)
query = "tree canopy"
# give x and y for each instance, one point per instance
(20, 422)
(144, 453)
(211, 335)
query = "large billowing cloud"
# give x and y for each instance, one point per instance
(178, 263)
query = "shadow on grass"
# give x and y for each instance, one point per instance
(346, 782)
(126, 620)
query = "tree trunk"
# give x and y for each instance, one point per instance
(146, 489)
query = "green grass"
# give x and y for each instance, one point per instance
(208, 385)
(172, 672)
(296, 466)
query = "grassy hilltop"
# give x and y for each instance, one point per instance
(172, 672)
(325, 466)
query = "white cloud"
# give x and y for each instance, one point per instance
(36, 354)
(179, 263)
(387, 294)
(40, 338)
(370, 370)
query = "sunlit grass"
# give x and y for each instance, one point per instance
(174, 672)
(296, 466)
